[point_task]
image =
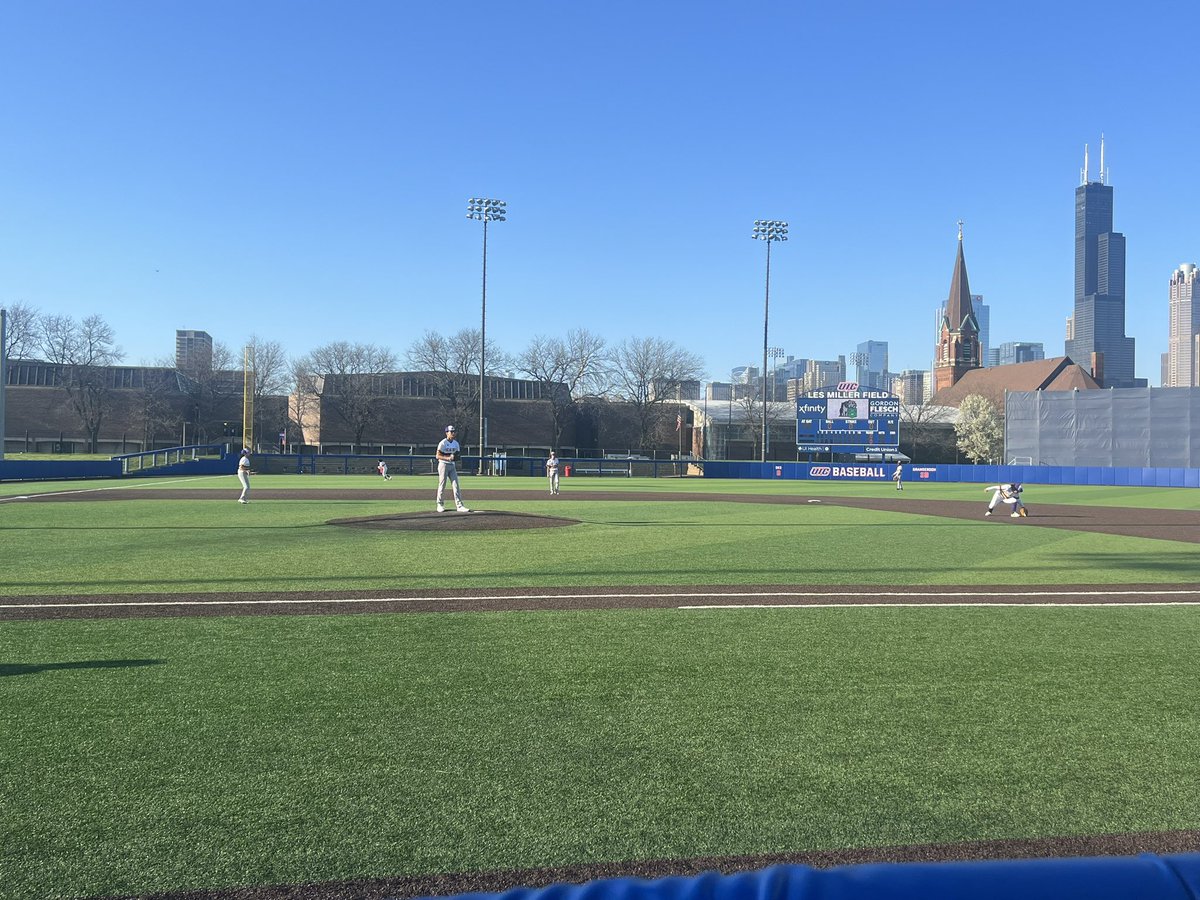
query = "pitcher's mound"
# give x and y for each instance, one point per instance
(476, 520)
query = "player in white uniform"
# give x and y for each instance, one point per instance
(243, 474)
(447, 452)
(898, 476)
(552, 472)
(1007, 493)
(382, 470)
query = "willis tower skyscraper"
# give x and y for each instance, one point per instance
(1096, 331)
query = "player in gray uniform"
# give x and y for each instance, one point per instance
(243, 474)
(447, 452)
(552, 472)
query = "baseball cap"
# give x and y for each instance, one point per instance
(450, 428)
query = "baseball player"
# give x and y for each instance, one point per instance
(552, 473)
(382, 469)
(243, 474)
(1007, 493)
(898, 475)
(447, 453)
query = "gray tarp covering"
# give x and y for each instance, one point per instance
(1151, 427)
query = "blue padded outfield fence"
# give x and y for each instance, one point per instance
(916, 473)
(1145, 877)
(210, 459)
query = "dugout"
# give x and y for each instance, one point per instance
(1119, 427)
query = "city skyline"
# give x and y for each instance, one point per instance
(280, 171)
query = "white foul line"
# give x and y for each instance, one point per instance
(115, 487)
(681, 595)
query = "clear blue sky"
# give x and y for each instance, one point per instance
(300, 170)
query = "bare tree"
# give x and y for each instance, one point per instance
(920, 425)
(83, 352)
(349, 378)
(153, 406)
(212, 384)
(269, 366)
(21, 331)
(647, 373)
(452, 366)
(567, 369)
(304, 402)
(749, 412)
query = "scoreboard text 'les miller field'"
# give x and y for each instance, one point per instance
(845, 418)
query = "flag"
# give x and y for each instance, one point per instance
(678, 421)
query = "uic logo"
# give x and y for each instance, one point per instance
(820, 472)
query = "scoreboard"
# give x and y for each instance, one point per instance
(845, 418)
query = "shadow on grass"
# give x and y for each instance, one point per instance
(7, 669)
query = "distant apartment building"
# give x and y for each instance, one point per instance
(912, 386)
(791, 369)
(871, 364)
(983, 315)
(675, 390)
(193, 349)
(821, 372)
(1013, 352)
(1183, 359)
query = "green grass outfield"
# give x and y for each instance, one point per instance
(163, 754)
(204, 546)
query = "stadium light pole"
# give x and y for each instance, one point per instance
(484, 210)
(767, 230)
(858, 360)
(776, 354)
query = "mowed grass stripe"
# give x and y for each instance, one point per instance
(195, 547)
(154, 755)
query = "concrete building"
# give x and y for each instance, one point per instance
(871, 364)
(1012, 352)
(1183, 361)
(820, 372)
(912, 386)
(193, 349)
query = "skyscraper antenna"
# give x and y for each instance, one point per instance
(960, 225)
(1103, 174)
(1084, 173)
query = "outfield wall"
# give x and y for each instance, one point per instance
(1126, 476)
(339, 464)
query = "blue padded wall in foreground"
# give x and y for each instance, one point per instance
(1145, 877)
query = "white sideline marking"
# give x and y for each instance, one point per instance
(682, 595)
(115, 487)
(203, 603)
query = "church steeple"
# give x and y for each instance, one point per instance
(958, 346)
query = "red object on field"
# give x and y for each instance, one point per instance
(566, 471)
